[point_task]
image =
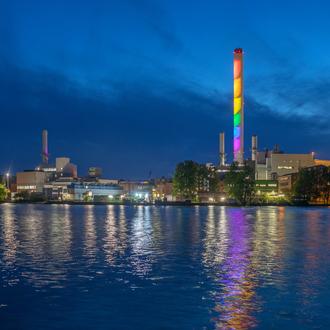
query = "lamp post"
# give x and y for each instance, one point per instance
(7, 179)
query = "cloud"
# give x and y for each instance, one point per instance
(159, 22)
(150, 124)
(292, 95)
(143, 125)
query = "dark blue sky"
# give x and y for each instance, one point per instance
(136, 86)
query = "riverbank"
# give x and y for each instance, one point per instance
(183, 203)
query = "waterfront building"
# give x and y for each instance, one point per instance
(266, 186)
(286, 183)
(270, 165)
(58, 189)
(163, 190)
(137, 190)
(93, 191)
(31, 181)
(322, 162)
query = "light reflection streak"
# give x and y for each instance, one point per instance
(90, 248)
(216, 238)
(241, 245)
(236, 301)
(141, 242)
(310, 278)
(60, 234)
(9, 235)
(46, 243)
(110, 241)
(122, 231)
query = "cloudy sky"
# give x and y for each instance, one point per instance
(135, 86)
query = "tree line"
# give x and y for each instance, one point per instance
(310, 185)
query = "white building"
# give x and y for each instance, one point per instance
(270, 165)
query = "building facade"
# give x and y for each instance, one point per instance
(31, 181)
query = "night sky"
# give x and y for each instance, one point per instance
(135, 86)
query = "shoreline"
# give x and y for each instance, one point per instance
(164, 204)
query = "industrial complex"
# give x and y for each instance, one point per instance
(275, 171)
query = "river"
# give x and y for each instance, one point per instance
(164, 267)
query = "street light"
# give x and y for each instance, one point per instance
(7, 179)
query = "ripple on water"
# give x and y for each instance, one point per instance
(164, 267)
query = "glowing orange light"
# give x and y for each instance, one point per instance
(237, 68)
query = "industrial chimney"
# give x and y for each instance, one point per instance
(238, 107)
(222, 149)
(45, 154)
(254, 147)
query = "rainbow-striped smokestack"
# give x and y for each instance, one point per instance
(238, 107)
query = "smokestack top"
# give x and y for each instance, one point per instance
(45, 154)
(238, 51)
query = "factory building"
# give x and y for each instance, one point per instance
(64, 168)
(138, 190)
(82, 191)
(31, 181)
(269, 165)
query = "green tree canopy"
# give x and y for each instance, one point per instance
(240, 183)
(190, 178)
(3, 192)
(313, 183)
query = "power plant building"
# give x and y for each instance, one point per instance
(94, 191)
(270, 165)
(31, 181)
(64, 168)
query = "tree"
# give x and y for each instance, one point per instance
(190, 178)
(240, 183)
(313, 183)
(185, 180)
(325, 185)
(3, 192)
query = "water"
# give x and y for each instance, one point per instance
(118, 267)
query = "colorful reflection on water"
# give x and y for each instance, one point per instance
(149, 267)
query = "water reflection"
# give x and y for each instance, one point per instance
(9, 235)
(310, 280)
(110, 241)
(243, 249)
(90, 249)
(192, 262)
(60, 234)
(141, 242)
(236, 299)
(9, 246)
